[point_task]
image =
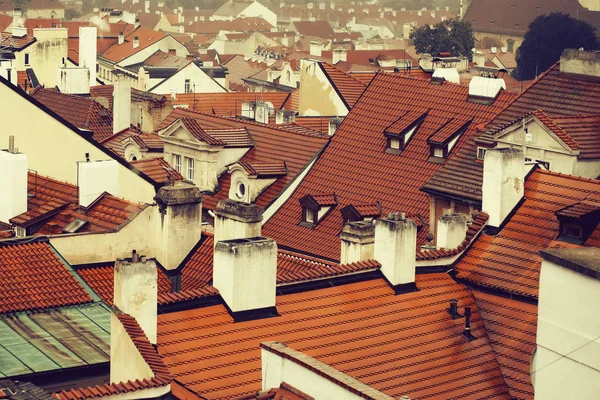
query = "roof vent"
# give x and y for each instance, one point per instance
(453, 310)
(485, 90)
(467, 331)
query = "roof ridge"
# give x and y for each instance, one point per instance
(568, 176)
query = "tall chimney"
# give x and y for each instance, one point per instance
(18, 29)
(358, 242)
(180, 207)
(88, 42)
(451, 231)
(121, 105)
(245, 273)
(147, 6)
(395, 249)
(237, 220)
(13, 181)
(503, 176)
(96, 178)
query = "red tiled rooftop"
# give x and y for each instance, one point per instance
(509, 261)
(264, 169)
(158, 169)
(15, 43)
(584, 130)
(356, 167)
(118, 52)
(400, 345)
(232, 137)
(34, 278)
(405, 121)
(228, 104)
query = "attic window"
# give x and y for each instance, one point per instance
(75, 225)
(579, 220)
(481, 153)
(402, 130)
(315, 208)
(361, 212)
(445, 138)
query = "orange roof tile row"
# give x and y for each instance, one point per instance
(320, 124)
(399, 345)
(356, 167)
(198, 293)
(146, 37)
(584, 131)
(509, 261)
(34, 278)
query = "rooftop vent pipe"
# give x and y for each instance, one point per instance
(467, 331)
(453, 310)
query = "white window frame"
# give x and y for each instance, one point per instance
(395, 143)
(177, 162)
(438, 152)
(190, 168)
(188, 86)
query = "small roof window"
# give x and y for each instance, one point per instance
(315, 208)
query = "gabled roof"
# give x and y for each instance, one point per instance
(509, 261)
(320, 29)
(406, 121)
(241, 68)
(580, 209)
(84, 113)
(584, 132)
(35, 278)
(400, 345)
(137, 96)
(449, 131)
(355, 165)
(264, 170)
(119, 52)
(158, 170)
(233, 8)
(349, 88)
(15, 43)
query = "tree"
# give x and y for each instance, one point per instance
(453, 36)
(545, 40)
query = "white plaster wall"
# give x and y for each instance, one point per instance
(227, 229)
(258, 10)
(5, 66)
(88, 50)
(199, 82)
(75, 80)
(13, 181)
(58, 13)
(126, 362)
(587, 169)
(46, 54)
(179, 231)
(229, 156)
(567, 358)
(164, 44)
(317, 95)
(254, 186)
(355, 252)
(395, 249)
(95, 178)
(53, 149)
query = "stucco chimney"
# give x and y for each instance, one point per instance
(88, 42)
(180, 222)
(503, 176)
(316, 49)
(237, 220)
(121, 39)
(18, 29)
(135, 291)
(13, 181)
(121, 105)
(479, 58)
(451, 231)
(358, 242)
(146, 6)
(339, 54)
(580, 62)
(136, 42)
(245, 273)
(395, 249)
(95, 178)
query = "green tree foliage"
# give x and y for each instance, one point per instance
(545, 40)
(452, 36)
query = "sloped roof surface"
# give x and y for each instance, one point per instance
(584, 131)
(509, 261)
(158, 169)
(400, 345)
(229, 104)
(118, 52)
(34, 278)
(356, 168)
(320, 29)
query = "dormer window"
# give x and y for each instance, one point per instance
(361, 212)
(445, 138)
(315, 208)
(402, 130)
(579, 220)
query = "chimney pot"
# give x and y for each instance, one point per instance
(467, 331)
(453, 310)
(135, 256)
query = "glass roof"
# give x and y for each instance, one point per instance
(54, 339)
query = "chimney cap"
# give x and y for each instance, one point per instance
(239, 211)
(177, 194)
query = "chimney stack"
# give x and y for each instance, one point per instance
(18, 29)
(340, 54)
(395, 249)
(453, 310)
(136, 42)
(121, 39)
(180, 230)
(121, 105)
(245, 273)
(358, 242)
(88, 42)
(13, 181)
(580, 62)
(237, 220)
(451, 231)
(503, 176)
(147, 6)
(95, 178)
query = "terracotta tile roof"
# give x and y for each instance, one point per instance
(371, 57)
(15, 43)
(119, 52)
(101, 280)
(192, 294)
(320, 124)
(511, 326)
(509, 261)
(580, 209)
(356, 328)
(44, 23)
(84, 113)
(248, 24)
(259, 169)
(165, 60)
(34, 278)
(232, 137)
(449, 131)
(162, 376)
(349, 88)
(228, 104)
(584, 130)
(53, 205)
(553, 92)
(195, 129)
(356, 167)
(158, 170)
(241, 68)
(197, 272)
(325, 199)
(272, 143)
(546, 120)
(137, 96)
(406, 121)
(320, 29)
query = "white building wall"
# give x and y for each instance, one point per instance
(317, 95)
(6, 66)
(199, 82)
(46, 54)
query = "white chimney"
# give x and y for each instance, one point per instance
(340, 54)
(580, 62)
(136, 42)
(146, 6)
(13, 181)
(180, 224)
(451, 231)
(95, 178)
(237, 220)
(358, 242)
(88, 42)
(121, 105)
(479, 58)
(245, 273)
(121, 39)
(316, 49)
(503, 176)
(18, 29)
(395, 250)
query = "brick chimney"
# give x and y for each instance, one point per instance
(358, 242)
(13, 181)
(580, 62)
(95, 178)
(451, 231)
(395, 249)
(503, 176)
(237, 220)
(245, 273)
(121, 105)
(180, 206)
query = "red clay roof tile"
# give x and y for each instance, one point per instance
(230, 104)
(146, 37)
(158, 169)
